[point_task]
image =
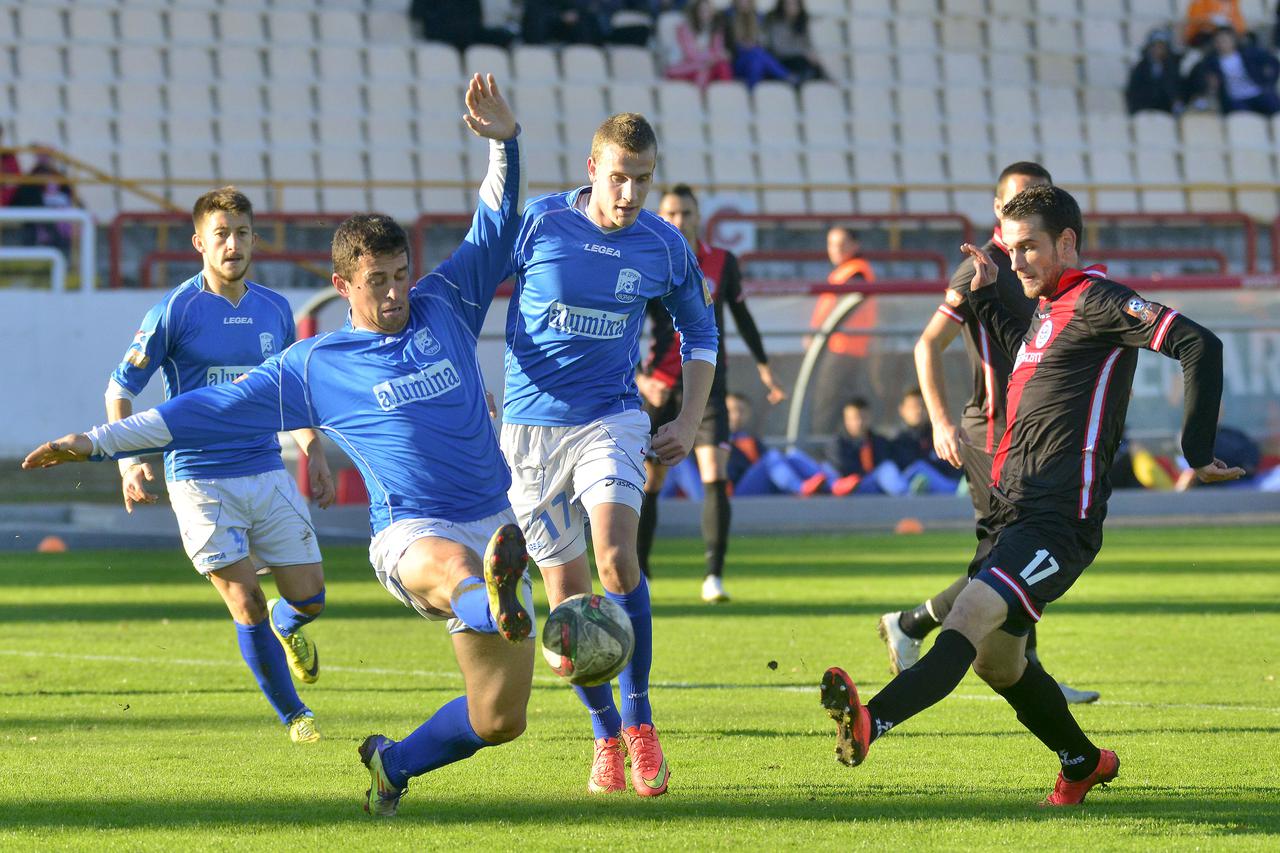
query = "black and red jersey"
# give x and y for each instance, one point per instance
(1069, 389)
(724, 280)
(983, 418)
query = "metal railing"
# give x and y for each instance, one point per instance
(73, 215)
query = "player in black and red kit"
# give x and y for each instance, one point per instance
(659, 384)
(1067, 398)
(972, 445)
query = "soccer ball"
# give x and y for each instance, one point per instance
(587, 639)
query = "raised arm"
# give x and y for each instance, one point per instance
(1003, 325)
(473, 272)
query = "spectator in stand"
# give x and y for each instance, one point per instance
(627, 21)
(1235, 448)
(752, 61)
(1244, 76)
(564, 21)
(849, 269)
(9, 165)
(912, 449)
(757, 469)
(456, 22)
(1206, 17)
(1155, 83)
(703, 54)
(786, 31)
(53, 191)
(1275, 29)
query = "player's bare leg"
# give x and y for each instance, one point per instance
(713, 466)
(451, 578)
(242, 593)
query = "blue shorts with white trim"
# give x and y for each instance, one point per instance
(1034, 561)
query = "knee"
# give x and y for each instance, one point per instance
(248, 606)
(614, 561)
(999, 674)
(501, 726)
(312, 610)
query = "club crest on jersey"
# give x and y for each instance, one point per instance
(706, 290)
(1046, 332)
(426, 342)
(1142, 309)
(137, 354)
(268, 344)
(628, 285)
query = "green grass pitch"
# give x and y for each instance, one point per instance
(127, 720)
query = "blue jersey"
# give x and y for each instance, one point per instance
(198, 339)
(409, 408)
(574, 322)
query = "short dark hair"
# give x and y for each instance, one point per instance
(1056, 208)
(684, 191)
(848, 232)
(227, 199)
(741, 398)
(913, 391)
(861, 403)
(629, 131)
(373, 234)
(1025, 168)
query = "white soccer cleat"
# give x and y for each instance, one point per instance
(713, 590)
(904, 651)
(1077, 697)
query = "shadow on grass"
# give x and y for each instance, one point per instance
(1226, 811)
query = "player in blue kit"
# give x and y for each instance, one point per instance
(399, 388)
(236, 505)
(574, 432)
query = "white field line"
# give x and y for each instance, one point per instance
(546, 679)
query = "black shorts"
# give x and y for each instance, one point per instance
(713, 431)
(977, 470)
(1033, 560)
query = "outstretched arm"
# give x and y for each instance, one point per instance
(1004, 327)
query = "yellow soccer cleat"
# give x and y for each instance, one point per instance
(505, 561)
(302, 654)
(302, 729)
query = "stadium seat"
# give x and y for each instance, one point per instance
(1257, 168)
(873, 67)
(91, 24)
(729, 115)
(194, 162)
(340, 26)
(827, 8)
(190, 27)
(190, 63)
(1065, 164)
(782, 167)
(1161, 9)
(1206, 166)
(532, 64)
(1056, 69)
(86, 98)
(776, 115)
(665, 37)
(485, 59)
(584, 109)
(38, 128)
(244, 163)
(1103, 36)
(387, 28)
(583, 63)
(141, 63)
(1248, 131)
(685, 164)
(869, 34)
(536, 105)
(435, 62)
(1155, 131)
(631, 64)
(633, 98)
(141, 25)
(140, 99)
(1111, 166)
(443, 167)
(828, 175)
(546, 167)
(680, 109)
(185, 100)
(734, 172)
(40, 63)
(825, 115)
(963, 69)
(291, 131)
(1203, 131)
(1019, 10)
(916, 8)
(1008, 36)
(966, 105)
(964, 9)
(40, 24)
(342, 164)
(1159, 166)
(145, 165)
(293, 164)
(290, 27)
(920, 69)
(861, 9)
(292, 63)
(962, 35)
(1056, 34)
(394, 164)
(139, 131)
(392, 63)
(921, 166)
(1102, 10)
(1107, 73)
(91, 63)
(341, 63)
(241, 27)
(911, 35)
(874, 167)
(242, 64)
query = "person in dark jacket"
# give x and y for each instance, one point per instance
(456, 22)
(1245, 75)
(1155, 82)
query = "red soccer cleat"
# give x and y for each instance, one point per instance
(853, 720)
(608, 767)
(649, 771)
(1067, 793)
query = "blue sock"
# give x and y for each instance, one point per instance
(262, 652)
(605, 721)
(633, 682)
(470, 601)
(443, 739)
(288, 616)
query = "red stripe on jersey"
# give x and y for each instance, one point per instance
(1089, 455)
(950, 314)
(989, 380)
(1017, 590)
(1157, 340)
(1060, 314)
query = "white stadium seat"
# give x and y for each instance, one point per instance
(532, 64)
(485, 59)
(294, 164)
(828, 172)
(1258, 168)
(1159, 167)
(393, 63)
(394, 164)
(874, 167)
(630, 64)
(342, 164)
(40, 24)
(583, 63)
(241, 27)
(290, 27)
(1155, 131)
(782, 167)
(91, 24)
